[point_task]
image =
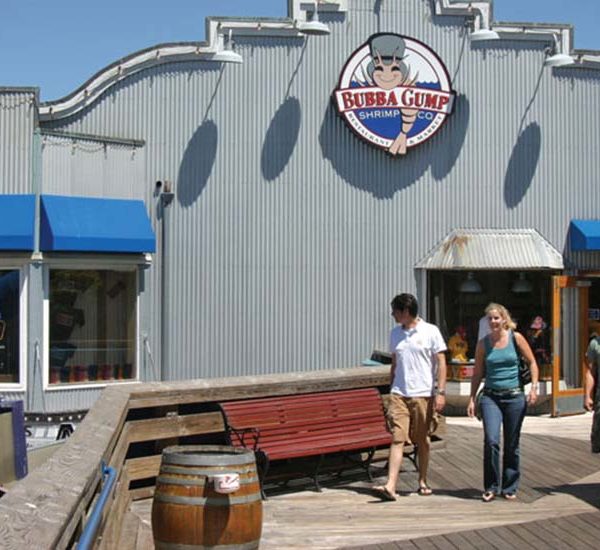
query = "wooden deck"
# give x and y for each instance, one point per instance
(558, 504)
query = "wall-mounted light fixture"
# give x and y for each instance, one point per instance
(470, 285)
(478, 23)
(556, 57)
(313, 25)
(522, 285)
(483, 34)
(227, 55)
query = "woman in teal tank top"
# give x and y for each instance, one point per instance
(503, 402)
(501, 365)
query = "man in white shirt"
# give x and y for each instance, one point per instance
(417, 349)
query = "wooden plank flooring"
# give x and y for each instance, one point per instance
(558, 505)
(566, 533)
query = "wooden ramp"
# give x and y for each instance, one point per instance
(557, 507)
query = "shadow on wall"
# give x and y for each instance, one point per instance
(281, 139)
(373, 170)
(197, 163)
(522, 165)
(448, 142)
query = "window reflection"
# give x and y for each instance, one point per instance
(92, 325)
(9, 326)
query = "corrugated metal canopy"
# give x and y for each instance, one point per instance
(493, 249)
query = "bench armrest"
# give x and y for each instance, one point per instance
(241, 435)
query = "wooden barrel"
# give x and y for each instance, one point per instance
(187, 511)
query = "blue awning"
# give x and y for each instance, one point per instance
(78, 224)
(584, 235)
(17, 214)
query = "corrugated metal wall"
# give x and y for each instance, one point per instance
(88, 167)
(17, 121)
(288, 236)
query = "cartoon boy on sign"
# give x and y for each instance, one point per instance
(394, 92)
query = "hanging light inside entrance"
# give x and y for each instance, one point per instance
(522, 285)
(470, 285)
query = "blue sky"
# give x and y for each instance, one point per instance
(57, 45)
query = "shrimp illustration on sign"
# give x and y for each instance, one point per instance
(388, 70)
(394, 92)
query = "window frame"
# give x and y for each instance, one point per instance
(93, 263)
(23, 267)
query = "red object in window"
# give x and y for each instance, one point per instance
(81, 374)
(466, 372)
(107, 372)
(54, 375)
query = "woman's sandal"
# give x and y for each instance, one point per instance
(424, 491)
(488, 496)
(510, 496)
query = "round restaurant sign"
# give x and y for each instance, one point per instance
(394, 92)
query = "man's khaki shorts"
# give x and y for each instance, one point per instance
(409, 418)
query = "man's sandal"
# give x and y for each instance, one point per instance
(384, 493)
(488, 496)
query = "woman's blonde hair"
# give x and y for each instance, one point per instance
(509, 324)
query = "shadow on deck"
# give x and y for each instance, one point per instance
(557, 507)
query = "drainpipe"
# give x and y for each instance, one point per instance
(166, 198)
(35, 276)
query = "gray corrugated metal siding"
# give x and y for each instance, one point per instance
(288, 236)
(17, 122)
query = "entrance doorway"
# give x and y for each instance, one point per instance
(570, 328)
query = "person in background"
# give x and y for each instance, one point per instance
(592, 390)
(538, 338)
(484, 328)
(417, 349)
(503, 401)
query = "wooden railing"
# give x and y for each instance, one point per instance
(127, 428)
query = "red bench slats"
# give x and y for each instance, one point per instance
(308, 425)
(326, 443)
(312, 424)
(308, 419)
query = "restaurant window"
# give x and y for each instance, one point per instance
(457, 301)
(10, 325)
(92, 322)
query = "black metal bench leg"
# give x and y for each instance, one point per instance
(316, 474)
(367, 464)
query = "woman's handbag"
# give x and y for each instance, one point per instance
(524, 370)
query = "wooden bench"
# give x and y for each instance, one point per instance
(308, 425)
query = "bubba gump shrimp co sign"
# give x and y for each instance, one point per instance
(394, 92)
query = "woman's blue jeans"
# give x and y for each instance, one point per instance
(507, 411)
